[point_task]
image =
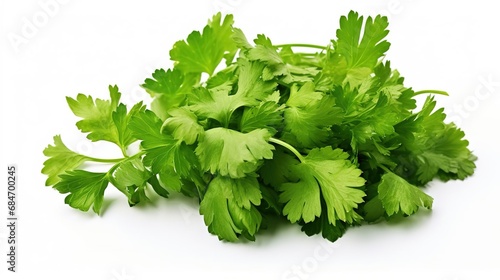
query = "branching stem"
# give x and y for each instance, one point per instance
(288, 146)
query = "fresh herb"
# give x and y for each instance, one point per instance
(325, 136)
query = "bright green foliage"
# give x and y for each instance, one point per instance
(232, 153)
(399, 196)
(97, 115)
(130, 178)
(326, 137)
(250, 80)
(162, 151)
(308, 120)
(86, 189)
(61, 159)
(169, 89)
(327, 172)
(193, 56)
(217, 105)
(229, 207)
(266, 115)
(183, 125)
(121, 120)
(321, 225)
(362, 50)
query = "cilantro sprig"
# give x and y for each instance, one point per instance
(326, 138)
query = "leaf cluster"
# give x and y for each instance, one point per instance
(327, 139)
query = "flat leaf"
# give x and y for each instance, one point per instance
(224, 207)
(366, 50)
(183, 125)
(169, 89)
(193, 55)
(399, 196)
(267, 115)
(231, 153)
(96, 115)
(328, 172)
(162, 150)
(86, 189)
(61, 159)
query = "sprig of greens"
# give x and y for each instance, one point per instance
(327, 139)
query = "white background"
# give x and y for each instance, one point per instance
(83, 46)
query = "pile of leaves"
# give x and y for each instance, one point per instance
(326, 137)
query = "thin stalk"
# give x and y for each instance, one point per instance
(114, 160)
(124, 151)
(302, 45)
(385, 168)
(431, 91)
(288, 146)
(306, 54)
(104, 160)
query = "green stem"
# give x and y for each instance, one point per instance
(302, 45)
(124, 151)
(104, 160)
(306, 54)
(431, 91)
(114, 160)
(288, 146)
(384, 168)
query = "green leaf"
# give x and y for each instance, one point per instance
(302, 199)
(329, 231)
(203, 52)
(433, 148)
(240, 39)
(267, 115)
(183, 125)
(86, 189)
(303, 96)
(270, 200)
(169, 89)
(217, 105)
(376, 119)
(249, 220)
(121, 119)
(96, 116)
(131, 173)
(246, 191)
(157, 186)
(232, 153)
(163, 82)
(223, 80)
(162, 150)
(309, 125)
(327, 172)
(399, 196)
(446, 155)
(250, 81)
(228, 207)
(373, 210)
(274, 65)
(362, 51)
(61, 159)
(278, 170)
(130, 177)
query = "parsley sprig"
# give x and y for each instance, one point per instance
(327, 138)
